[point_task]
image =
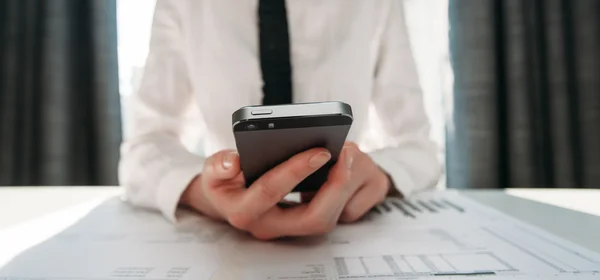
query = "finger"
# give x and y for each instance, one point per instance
(306, 219)
(308, 196)
(321, 214)
(363, 200)
(335, 191)
(221, 180)
(351, 144)
(224, 165)
(274, 185)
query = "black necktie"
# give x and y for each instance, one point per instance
(274, 52)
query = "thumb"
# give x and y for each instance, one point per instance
(224, 165)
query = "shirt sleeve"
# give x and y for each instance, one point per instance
(410, 158)
(155, 166)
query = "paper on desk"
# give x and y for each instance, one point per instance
(117, 241)
(431, 236)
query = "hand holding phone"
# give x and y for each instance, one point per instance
(353, 184)
(220, 192)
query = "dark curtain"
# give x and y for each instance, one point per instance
(526, 95)
(59, 95)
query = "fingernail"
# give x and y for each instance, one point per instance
(229, 159)
(349, 158)
(319, 159)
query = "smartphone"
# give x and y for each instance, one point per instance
(266, 136)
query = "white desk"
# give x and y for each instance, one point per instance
(21, 204)
(547, 209)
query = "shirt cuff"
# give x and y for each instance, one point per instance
(401, 180)
(174, 184)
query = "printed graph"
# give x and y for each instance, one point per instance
(481, 263)
(413, 208)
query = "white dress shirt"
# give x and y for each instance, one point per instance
(203, 58)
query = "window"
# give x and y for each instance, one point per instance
(134, 22)
(428, 26)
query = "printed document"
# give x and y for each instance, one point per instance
(436, 235)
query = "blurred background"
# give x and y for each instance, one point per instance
(511, 87)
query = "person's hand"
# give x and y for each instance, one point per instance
(368, 184)
(220, 193)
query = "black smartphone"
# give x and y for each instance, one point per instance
(266, 136)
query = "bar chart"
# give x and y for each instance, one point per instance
(414, 208)
(482, 263)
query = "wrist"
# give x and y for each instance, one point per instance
(187, 197)
(193, 198)
(392, 190)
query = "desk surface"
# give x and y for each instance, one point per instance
(580, 223)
